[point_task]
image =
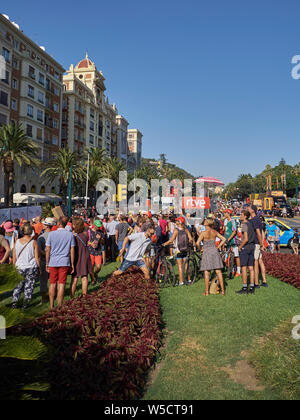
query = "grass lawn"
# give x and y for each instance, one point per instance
(233, 347)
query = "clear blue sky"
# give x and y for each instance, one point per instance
(207, 82)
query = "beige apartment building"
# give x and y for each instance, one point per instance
(58, 109)
(89, 120)
(31, 95)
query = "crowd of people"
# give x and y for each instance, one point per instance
(50, 250)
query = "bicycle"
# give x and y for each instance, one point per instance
(229, 262)
(190, 267)
(163, 270)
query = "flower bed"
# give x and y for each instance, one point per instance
(105, 343)
(285, 267)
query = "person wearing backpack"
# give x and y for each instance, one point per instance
(181, 238)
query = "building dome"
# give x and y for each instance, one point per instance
(85, 63)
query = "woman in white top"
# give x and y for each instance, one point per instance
(27, 260)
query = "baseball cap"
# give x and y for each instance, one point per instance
(181, 220)
(98, 223)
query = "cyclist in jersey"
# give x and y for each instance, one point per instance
(231, 238)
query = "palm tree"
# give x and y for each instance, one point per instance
(60, 168)
(95, 174)
(97, 156)
(15, 146)
(112, 168)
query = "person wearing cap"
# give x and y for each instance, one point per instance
(95, 246)
(181, 237)
(11, 236)
(48, 223)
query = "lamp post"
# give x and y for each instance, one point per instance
(70, 192)
(87, 181)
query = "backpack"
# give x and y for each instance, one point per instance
(182, 241)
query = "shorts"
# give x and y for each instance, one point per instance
(96, 259)
(120, 245)
(257, 253)
(127, 264)
(58, 275)
(247, 256)
(182, 256)
(235, 250)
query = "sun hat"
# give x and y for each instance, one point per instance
(9, 227)
(49, 221)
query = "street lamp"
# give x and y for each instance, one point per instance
(87, 181)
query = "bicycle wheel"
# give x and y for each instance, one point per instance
(190, 271)
(230, 266)
(165, 275)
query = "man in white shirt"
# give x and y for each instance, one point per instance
(139, 246)
(111, 237)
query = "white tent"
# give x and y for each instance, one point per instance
(28, 198)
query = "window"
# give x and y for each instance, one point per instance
(107, 124)
(56, 90)
(40, 115)
(16, 43)
(6, 80)
(56, 107)
(14, 84)
(29, 130)
(107, 135)
(47, 84)
(92, 113)
(29, 110)
(41, 97)
(92, 126)
(56, 75)
(3, 98)
(31, 91)
(14, 104)
(91, 139)
(55, 124)
(16, 64)
(3, 120)
(41, 79)
(6, 54)
(31, 72)
(55, 140)
(39, 134)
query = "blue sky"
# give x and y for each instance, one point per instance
(207, 82)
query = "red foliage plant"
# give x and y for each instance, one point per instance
(104, 343)
(285, 267)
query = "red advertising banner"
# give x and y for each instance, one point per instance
(196, 203)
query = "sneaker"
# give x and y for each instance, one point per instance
(264, 285)
(257, 286)
(181, 284)
(242, 292)
(25, 305)
(251, 290)
(14, 305)
(238, 275)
